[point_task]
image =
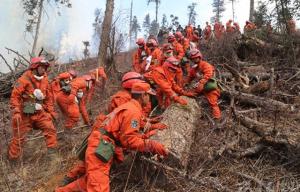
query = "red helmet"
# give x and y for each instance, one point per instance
(178, 35)
(37, 61)
(140, 41)
(64, 75)
(151, 43)
(195, 53)
(130, 78)
(87, 77)
(73, 73)
(171, 38)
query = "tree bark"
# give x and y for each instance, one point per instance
(105, 35)
(156, 10)
(37, 28)
(251, 15)
(270, 104)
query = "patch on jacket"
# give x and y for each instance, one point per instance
(134, 124)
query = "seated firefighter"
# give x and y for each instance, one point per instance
(31, 103)
(120, 130)
(72, 100)
(207, 84)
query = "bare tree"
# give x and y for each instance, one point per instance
(232, 7)
(130, 25)
(105, 35)
(157, 2)
(251, 18)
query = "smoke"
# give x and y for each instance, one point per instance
(62, 29)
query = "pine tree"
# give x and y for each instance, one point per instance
(218, 9)
(174, 21)
(135, 27)
(260, 16)
(164, 21)
(154, 27)
(192, 13)
(147, 24)
(157, 2)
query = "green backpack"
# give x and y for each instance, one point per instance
(211, 84)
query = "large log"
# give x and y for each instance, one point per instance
(263, 102)
(179, 136)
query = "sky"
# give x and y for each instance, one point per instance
(63, 35)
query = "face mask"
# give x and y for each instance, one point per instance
(79, 94)
(193, 65)
(38, 77)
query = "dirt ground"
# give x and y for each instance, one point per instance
(234, 158)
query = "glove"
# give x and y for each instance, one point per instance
(149, 134)
(156, 119)
(157, 148)
(38, 107)
(17, 118)
(38, 94)
(180, 100)
(200, 88)
(159, 126)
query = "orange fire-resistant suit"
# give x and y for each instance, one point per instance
(212, 96)
(138, 58)
(207, 32)
(185, 44)
(165, 88)
(123, 126)
(291, 26)
(100, 81)
(156, 54)
(23, 92)
(229, 28)
(249, 26)
(189, 32)
(71, 106)
(237, 27)
(178, 51)
(217, 30)
(55, 84)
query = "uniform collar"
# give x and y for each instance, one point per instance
(137, 104)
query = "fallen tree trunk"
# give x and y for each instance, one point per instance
(261, 129)
(179, 136)
(263, 102)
